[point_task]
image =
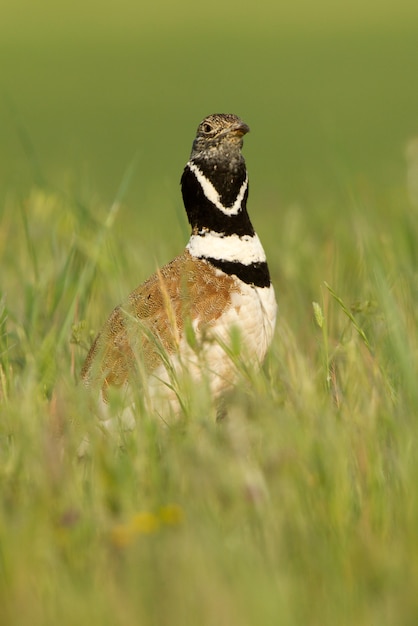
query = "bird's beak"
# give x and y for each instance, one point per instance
(240, 129)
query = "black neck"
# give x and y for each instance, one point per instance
(203, 214)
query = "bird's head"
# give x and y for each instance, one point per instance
(219, 136)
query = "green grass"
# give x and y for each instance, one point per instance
(301, 507)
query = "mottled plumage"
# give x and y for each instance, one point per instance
(185, 289)
(220, 281)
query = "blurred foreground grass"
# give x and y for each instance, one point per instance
(302, 507)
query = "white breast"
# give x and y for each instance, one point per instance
(253, 312)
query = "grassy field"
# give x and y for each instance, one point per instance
(301, 508)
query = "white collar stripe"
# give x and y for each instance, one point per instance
(213, 196)
(245, 250)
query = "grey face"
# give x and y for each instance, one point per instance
(219, 136)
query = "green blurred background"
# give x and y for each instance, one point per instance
(329, 89)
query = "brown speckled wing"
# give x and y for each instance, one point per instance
(151, 323)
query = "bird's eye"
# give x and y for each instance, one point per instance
(206, 128)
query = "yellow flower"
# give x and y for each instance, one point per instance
(171, 514)
(122, 535)
(145, 523)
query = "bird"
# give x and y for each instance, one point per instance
(185, 316)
